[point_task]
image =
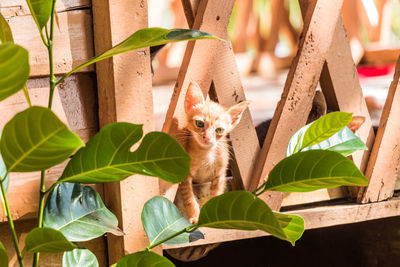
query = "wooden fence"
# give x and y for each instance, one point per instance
(124, 93)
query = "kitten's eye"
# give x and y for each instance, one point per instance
(199, 123)
(220, 130)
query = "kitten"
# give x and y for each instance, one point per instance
(208, 124)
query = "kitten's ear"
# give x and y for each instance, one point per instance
(356, 123)
(194, 96)
(237, 110)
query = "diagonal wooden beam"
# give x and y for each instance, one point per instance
(384, 162)
(341, 87)
(198, 65)
(295, 104)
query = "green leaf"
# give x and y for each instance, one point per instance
(318, 131)
(313, 170)
(292, 225)
(3, 256)
(161, 219)
(79, 257)
(5, 31)
(241, 210)
(35, 139)
(145, 38)
(107, 157)
(144, 259)
(79, 213)
(344, 142)
(47, 240)
(41, 11)
(14, 69)
(3, 172)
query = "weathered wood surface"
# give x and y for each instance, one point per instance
(295, 104)
(384, 162)
(124, 90)
(292, 199)
(73, 41)
(13, 8)
(75, 107)
(314, 218)
(97, 246)
(342, 90)
(198, 65)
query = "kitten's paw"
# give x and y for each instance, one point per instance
(194, 220)
(194, 214)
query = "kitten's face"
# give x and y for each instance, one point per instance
(209, 122)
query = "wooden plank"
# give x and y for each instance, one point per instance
(124, 90)
(198, 65)
(384, 162)
(13, 8)
(73, 42)
(295, 104)
(81, 115)
(342, 90)
(292, 199)
(229, 91)
(317, 217)
(376, 55)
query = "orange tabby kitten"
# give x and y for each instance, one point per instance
(208, 124)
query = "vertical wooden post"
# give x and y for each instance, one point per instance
(295, 104)
(384, 162)
(124, 90)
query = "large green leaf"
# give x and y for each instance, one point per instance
(317, 131)
(145, 38)
(3, 256)
(5, 31)
(344, 142)
(14, 69)
(3, 172)
(161, 219)
(107, 157)
(47, 240)
(313, 170)
(144, 259)
(79, 257)
(79, 213)
(35, 139)
(241, 210)
(292, 225)
(41, 11)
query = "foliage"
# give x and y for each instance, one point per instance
(79, 257)
(79, 213)
(48, 240)
(35, 140)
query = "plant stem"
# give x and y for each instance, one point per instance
(53, 80)
(259, 190)
(11, 223)
(42, 195)
(51, 188)
(27, 96)
(184, 230)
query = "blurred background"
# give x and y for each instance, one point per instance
(264, 35)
